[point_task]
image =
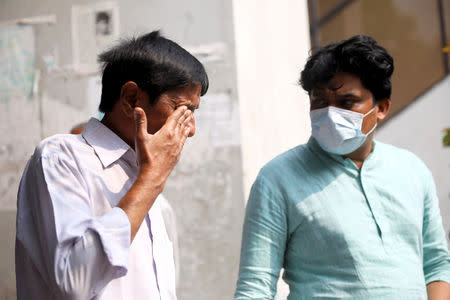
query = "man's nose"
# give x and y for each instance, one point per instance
(192, 125)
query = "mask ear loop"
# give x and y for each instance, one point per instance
(375, 126)
(371, 130)
(368, 113)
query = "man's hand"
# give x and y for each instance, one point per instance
(438, 290)
(156, 155)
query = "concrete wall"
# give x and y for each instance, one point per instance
(419, 128)
(205, 189)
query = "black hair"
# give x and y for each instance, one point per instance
(154, 63)
(102, 16)
(359, 55)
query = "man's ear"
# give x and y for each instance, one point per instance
(383, 108)
(128, 98)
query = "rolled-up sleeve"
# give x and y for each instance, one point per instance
(80, 253)
(263, 243)
(436, 257)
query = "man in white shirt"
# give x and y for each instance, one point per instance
(89, 222)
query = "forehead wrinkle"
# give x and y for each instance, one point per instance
(334, 87)
(324, 88)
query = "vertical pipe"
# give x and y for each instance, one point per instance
(314, 26)
(444, 42)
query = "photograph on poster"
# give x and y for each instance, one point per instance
(103, 25)
(94, 28)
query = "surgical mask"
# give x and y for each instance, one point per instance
(338, 130)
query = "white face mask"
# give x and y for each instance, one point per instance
(338, 130)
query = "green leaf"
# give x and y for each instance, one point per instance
(446, 139)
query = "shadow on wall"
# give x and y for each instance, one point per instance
(7, 265)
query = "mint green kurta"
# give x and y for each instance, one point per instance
(341, 232)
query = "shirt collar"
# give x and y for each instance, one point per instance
(107, 145)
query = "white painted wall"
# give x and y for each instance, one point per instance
(272, 44)
(419, 128)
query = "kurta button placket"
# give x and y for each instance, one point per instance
(374, 204)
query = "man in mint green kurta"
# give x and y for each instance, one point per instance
(345, 216)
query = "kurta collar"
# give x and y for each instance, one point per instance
(369, 163)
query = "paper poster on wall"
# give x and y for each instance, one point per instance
(94, 28)
(16, 61)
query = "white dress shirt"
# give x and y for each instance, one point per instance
(72, 241)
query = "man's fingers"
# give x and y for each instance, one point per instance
(172, 121)
(140, 120)
(187, 122)
(187, 115)
(184, 136)
(186, 128)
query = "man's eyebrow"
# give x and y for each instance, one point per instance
(348, 95)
